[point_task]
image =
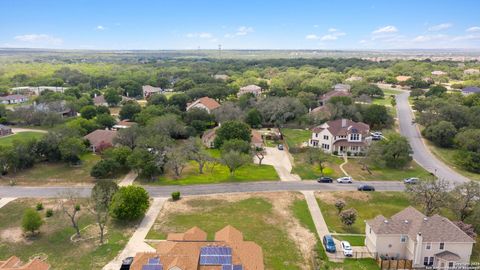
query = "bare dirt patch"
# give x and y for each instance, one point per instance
(13, 235)
(332, 197)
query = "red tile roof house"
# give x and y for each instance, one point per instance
(427, 241)
(101, 139)
(341, 136)
(13, 99)
(206, 103)
(14, 263)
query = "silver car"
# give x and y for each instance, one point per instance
(346, 179)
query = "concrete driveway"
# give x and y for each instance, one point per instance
(280, 160)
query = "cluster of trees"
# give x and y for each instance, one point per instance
(451, 121)
(347, 216)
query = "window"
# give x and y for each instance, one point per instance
(325, 137)
(354, 137)
(442, 246)
(430, 262)
(450, 264)
(425, 261)
(428, 246)
(370, 230)
(403, 238)
(316, 135)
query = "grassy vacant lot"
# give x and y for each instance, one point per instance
(296, 137)
(354, 168)
(54, 238)
(308, 171)
(368, 206)
(264, 219)
(21, 136)
(54, 173)
(447, 155)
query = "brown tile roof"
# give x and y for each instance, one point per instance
(411, 222)
(210, 103)
(193, 234)
(148, 89)
(14, 263)
(343, 127)
(99, 100)
(334, 93)
(101, 136)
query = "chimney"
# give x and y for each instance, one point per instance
(417, 259)
(344, 123)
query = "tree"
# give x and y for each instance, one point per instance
(88, 112)
(436, 90)
(340, 204)
(279, 110)
(105, 120)
(128, 136)
(157, 99)
(71, 149)
(103, 110)
(377, 116)
(118, 154)
(234, 160)
(144, 163)
(177, 158)
(105, 168)
(259, 153)
(254, 118)
(129, 110)
(70, 206)
(169, 124)
(431, 194)
(112, 97)
(232, 130)
(442, 133)
(197, 152)
(464, 198)
(362, 88)
(236, 145)
(392, 152)
(129, 203)
(179, 100)
(100, 202)
(416, 93)
(228, 111)
(469, 229)
(348, 217)
(31, 221)
(315, 155)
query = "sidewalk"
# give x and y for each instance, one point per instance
(5, 201)
(128, 179)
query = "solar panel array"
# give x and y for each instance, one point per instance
(215, 256)
(232, 267)
(153, 264)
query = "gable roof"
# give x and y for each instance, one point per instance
(148, 89)
(411, 222)
(209, 103)
(334, 93)
(4, 127)
(99, 100)
(251, 88)
(342, 127)
(101, 136)
(14, 263)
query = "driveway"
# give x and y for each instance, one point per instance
(421, 153)
(17, 130)
(280, 160)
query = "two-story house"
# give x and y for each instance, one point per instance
(427, 241)
(340, 136)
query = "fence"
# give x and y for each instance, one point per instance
(394, 264)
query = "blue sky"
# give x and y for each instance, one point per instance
(246, 24)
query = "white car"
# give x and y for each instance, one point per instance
(347, 249)
(346, 179)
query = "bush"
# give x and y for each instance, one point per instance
(49, 213)
(104, 169)
(129, 203)
(335, 153)
(348, 217)
(176, 195)
(31, 221)
(39, 207)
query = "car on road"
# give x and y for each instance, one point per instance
(126, 263)
(366, 188)
(329, 244)
(411, 180)
(346, 179)
(280, 147)
(325, 179)
(346, 248)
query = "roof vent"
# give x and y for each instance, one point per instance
(425, 219)
(385, 221)
(406, 221)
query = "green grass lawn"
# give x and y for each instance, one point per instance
(21, 136)
(254, 217)
(54, 238)
(354, 168)
(307, 171)
(56, 173)
(368, 206)
(295, 137)
(354, 240)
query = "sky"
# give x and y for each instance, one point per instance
(245, 24)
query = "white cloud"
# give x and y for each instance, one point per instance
(332, 30)
(386, 29)
(473, 29)
(200, 35)
(312, 37)
(243, 30)
(334, 34)
(440, 27)
(427, 38)
(100, 28)
(467, 37)
(39, 39)
(363, 41)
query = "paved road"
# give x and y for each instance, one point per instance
(421, 153)
(165, 191)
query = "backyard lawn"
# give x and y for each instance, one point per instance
(354, 240)
(21, 136)
(254, 215)
(296, 137)
(55, 173)
(53, 242)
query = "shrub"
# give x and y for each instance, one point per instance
(129, 203)
(335, 153)
(105, 168)
(31, 221)
(39, 207)
(176, 195)
(348, 217)
(340, 204)
(49, 213)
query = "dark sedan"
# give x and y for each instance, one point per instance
(325, 179)
(366, 188)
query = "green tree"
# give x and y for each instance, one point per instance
(112, 97)
(157, 99)
(377, 116)
(71, 149)
(144, 163)
(105, 168)
(31, 221)
(442, 133)
(179, 100)
(129, 203)
(431, 194)
(348, 217)
(88, 112)
(232, 130)
(129, 110)
(103, 110)
(198, 153)
(236, 145)
(105, 120)
(436, 90)
(392, 152)
(234, 160)
(464, 198)
(254, 118)
(100, 203)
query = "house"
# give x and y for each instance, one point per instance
(149, 90)
(36, 90)
(401, 78)
(123, 124)
(438, 73)
(192, 250)
(13, 99)
(340, 136)
(58, 107)
(252, 89)
(208, 138)
(342, 87)
(206, 103)
(471, 71)
(14, 263)
(99, 101)
(471, 90)
(427, 241)
(335, 93)
(4, 130)
(100, 139)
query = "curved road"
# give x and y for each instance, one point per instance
(165, 191)
(421, 153)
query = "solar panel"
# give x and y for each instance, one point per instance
(152, 267)
(227, 267)
(154, 261)
(213, 255)
(237, 267)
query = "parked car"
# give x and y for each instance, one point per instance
(329, 244)
(126, 263)
(347, 249)
(411, 180)
(280, 147)
(325, 179)
(346, 179)
(366, 188)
